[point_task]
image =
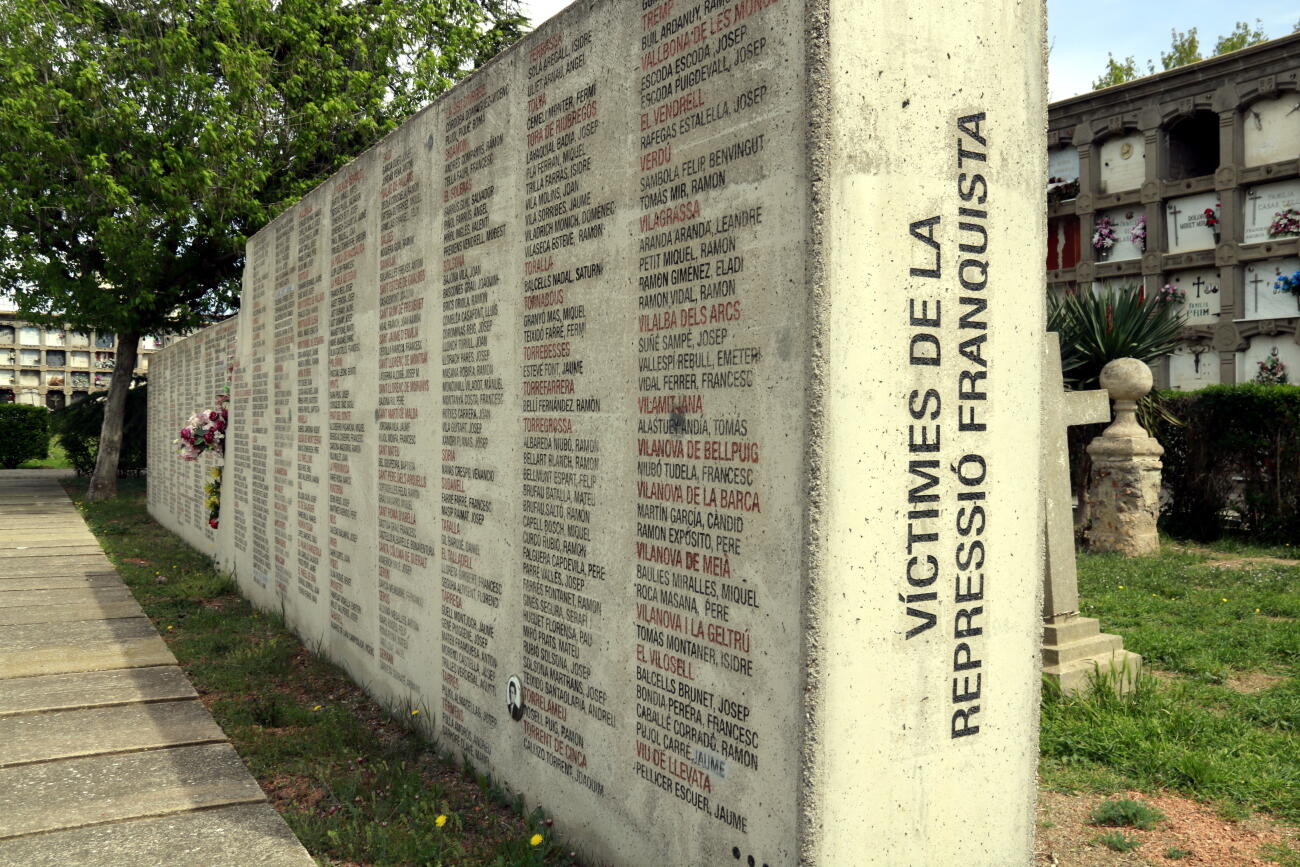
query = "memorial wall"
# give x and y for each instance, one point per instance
(650, 410)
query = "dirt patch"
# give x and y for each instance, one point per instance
(1065, 839)
(289, 790)
(1250, 682)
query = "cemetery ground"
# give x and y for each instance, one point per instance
(1210, 740)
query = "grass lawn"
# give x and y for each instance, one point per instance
(1217, 715)
(57, 460)
(358, 784)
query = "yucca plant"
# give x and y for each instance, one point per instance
(1098, 327)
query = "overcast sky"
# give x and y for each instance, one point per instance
(1082, 31)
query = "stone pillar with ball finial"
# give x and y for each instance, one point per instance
(1124, 491)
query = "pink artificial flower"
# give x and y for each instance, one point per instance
(209, 435)
(187, 434)
(212, 522)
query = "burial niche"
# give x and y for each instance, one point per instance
(1193, 143)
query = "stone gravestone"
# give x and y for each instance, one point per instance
(651, 411)
(1074, 648)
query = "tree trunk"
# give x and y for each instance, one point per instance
(103, 482)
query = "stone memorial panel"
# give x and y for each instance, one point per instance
(1264, 299)
(1262, 205)
(1271, 131)
(1063, 162)
(1123, 221)
(1261, 347)
(652, 416)
(1192, 367)
(1122, 162)
(1185, 222)
(1201, 288)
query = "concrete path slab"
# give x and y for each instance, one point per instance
(59, 582)
(98, 789)
(70, 613)
(245, 836)
(65, 734)
(106, 755)
(27, 598)
(83, 689)
(54, 566)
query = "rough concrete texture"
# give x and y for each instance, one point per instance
(90, 791)
(243, 836)
(658, 410)
(90, 746)
(89, 731)
(82, 689)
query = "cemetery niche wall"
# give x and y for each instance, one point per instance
(653, 417)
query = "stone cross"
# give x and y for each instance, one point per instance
(1173, 209)
(1253, 197)
(1061, 410)
(1198, 283)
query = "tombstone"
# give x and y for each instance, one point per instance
(1193, 366)
(1264, 299)
(1261, 346)
(1123, 163)
(1075, 650)
(1200, 287)
(1262, 204)
(1186, 225)
(676, 372)
(1270, 131)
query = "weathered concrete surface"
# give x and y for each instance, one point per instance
(89, 791)
(84, 689)
(89, 580)
(71, 612)
(90, 731)
(106, 755)
(243, 836)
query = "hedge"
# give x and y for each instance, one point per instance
(24, 434)
(79, 424)
(1234, 463)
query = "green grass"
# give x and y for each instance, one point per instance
(57, 459)
(1173, 853)
(1118, 841)
(1190, 731)
(357, 783)
(1126, 813)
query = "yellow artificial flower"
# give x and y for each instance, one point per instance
(415, 712)
(536, 841)
(440, 821)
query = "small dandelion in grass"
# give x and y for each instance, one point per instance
(1121, 586)
(170, 628)
(536, 841)
(1222, 599)
(316, 708)
(415, 712)
(440, 821)
(1256, 610)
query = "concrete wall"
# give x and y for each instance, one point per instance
(593, 378)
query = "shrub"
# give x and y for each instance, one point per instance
(79, 424)
(1126, 813)
(24, 434)
(1118, 842)
(1234, 463)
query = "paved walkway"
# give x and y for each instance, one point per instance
(106, 755)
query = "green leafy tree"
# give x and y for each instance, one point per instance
(1242, 36)
(143, 141)
(1117, 72)
(1185, 48)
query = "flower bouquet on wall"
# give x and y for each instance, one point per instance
(206, 432)
(1289, 283)
(1272, 370)
(1286, 224)
(1171, 294)
(1138, 234)
(1104, 238)
(1212, 220)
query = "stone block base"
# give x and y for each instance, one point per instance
(1075, 647)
